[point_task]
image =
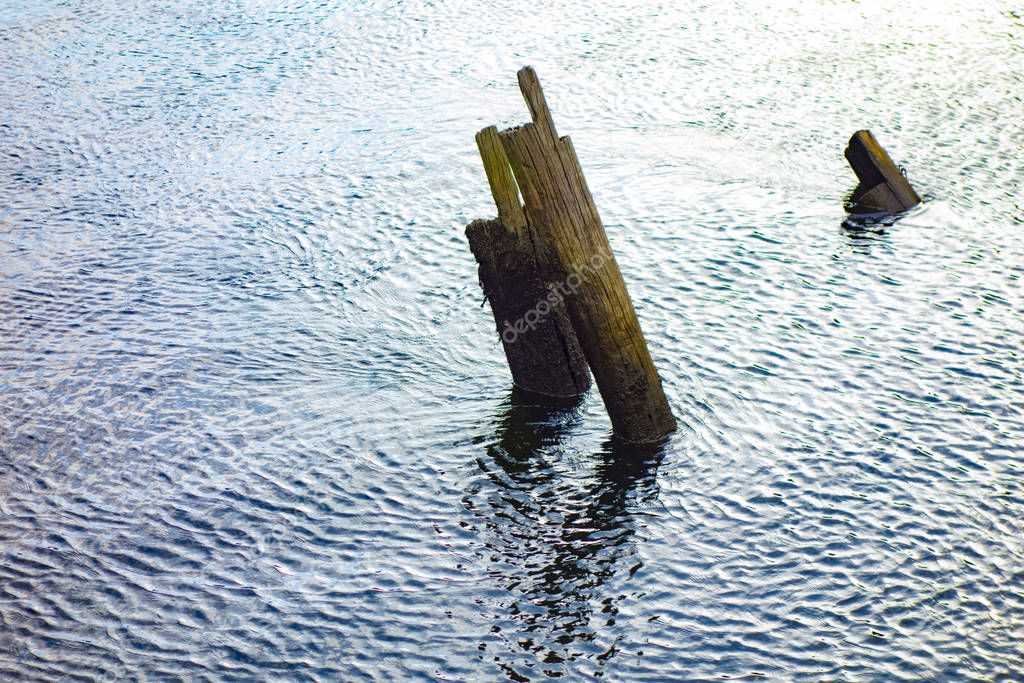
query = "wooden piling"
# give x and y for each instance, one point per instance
(540, 345)
(559, 207)
(883, 188)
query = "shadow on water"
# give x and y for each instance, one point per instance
(559, 530)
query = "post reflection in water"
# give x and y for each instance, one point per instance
(559, 531)
(860, 240)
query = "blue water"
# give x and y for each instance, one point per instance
(256, 424)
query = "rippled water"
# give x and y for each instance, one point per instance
(254, 422)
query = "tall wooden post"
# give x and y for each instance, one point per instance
(561, 210)
(540, 345)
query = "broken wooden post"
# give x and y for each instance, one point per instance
(883, 188)
(543, 353)
(560, 209)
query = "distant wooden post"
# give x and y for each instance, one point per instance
(540, 345)
(883, 188)
(561, 210)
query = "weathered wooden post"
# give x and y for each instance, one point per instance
(560, 209)
(883, 188)
(540, 345)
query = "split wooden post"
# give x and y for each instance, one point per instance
(883, 188)
(561, 210)
(540, 345)
(501, 180)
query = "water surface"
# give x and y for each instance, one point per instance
(256, 424)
